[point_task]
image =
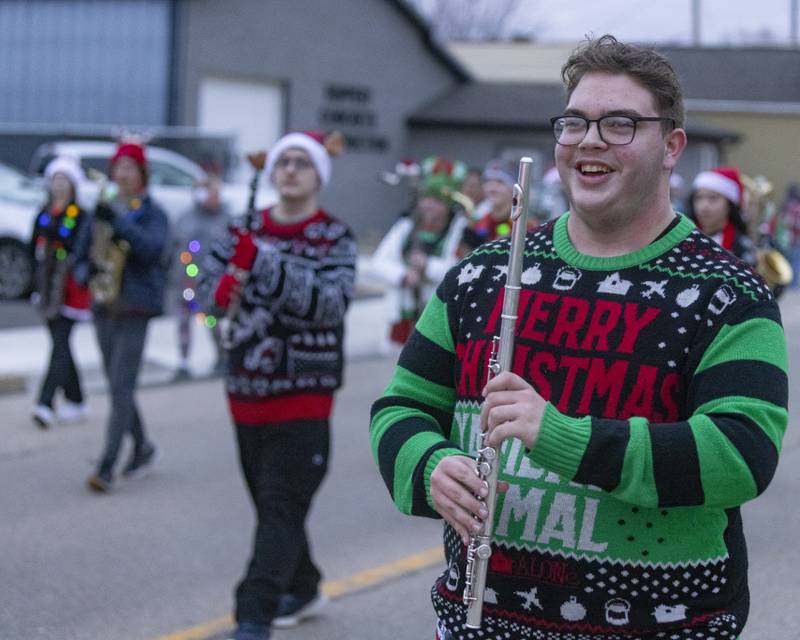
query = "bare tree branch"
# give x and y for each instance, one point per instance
(471, 19)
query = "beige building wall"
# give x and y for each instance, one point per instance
(770, 145)
(512, 61)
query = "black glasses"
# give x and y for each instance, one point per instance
(301, 164)
(571, 130)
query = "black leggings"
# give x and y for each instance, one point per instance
(62, 372)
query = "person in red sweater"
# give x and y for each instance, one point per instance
(57, 294)
(290, 277)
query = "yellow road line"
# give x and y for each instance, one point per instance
(335, 589)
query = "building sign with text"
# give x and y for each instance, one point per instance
(349, 109)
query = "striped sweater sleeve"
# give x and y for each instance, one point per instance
(410, 423)
(722, 455)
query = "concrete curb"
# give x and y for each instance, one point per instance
(26, 350)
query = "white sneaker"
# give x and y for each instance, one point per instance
(43, 416)
(71, 412)
(292, 611)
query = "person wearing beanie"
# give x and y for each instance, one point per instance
(494, 213)
(418, 249)
(58, 295)
(644, 401)
(290, 278)
(715, 205)
(130, 224)
(196, 231)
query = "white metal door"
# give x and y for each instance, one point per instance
(252, 111)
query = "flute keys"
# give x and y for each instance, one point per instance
(488, 453)
(483, 551)
(484, 469)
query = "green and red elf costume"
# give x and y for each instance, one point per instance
(665, 376)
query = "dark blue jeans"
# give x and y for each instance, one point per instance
(121, 340)
(62, 372)
(283, 466)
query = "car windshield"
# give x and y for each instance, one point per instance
(16, 187)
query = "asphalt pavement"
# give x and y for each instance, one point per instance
(157, 561)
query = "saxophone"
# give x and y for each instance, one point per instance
(487, 467)
(107, 254)
(771, 264)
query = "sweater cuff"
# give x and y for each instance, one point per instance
(436, 457)
(562, 442)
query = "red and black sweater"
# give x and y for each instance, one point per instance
(287, 357)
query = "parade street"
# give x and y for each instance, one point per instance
(159, 557)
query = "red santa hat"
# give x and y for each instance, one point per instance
(722, 180)
(134, 151)
(318, 146)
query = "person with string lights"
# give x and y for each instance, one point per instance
(196, 231)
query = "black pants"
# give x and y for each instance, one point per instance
(283, 466)
(121, 341)
(62, 372)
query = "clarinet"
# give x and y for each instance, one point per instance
(250, 223)
(480, 549)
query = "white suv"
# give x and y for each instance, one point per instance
(171, 175)
(20, 201)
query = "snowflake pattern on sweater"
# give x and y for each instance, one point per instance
(287, 337)
(665, 376)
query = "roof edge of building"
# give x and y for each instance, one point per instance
(439, 51)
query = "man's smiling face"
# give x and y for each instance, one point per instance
(610, 184)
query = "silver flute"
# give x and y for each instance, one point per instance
(480, 548)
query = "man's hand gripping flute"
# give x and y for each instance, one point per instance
(480, 549)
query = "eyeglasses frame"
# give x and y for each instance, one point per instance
(636, 120)
(298, 162)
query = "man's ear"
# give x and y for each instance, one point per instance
(674, 144)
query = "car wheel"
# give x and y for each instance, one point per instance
(16, 269)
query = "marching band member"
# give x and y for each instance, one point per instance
(196, 231)
(646, 400)
(715, 205)
(291, 278)
(58, 295)
(125, 296)
(419, 248)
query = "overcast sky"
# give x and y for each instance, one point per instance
(653, 20)
(721, 21)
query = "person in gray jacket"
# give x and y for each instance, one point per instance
(136, 228)
(196, 231)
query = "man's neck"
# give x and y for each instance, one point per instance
(606, 241)
(292, 211)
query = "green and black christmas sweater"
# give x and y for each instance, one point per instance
(665, 373)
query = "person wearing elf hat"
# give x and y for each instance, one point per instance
(290, 278)
(715, 204)
(57, 234)
(418, 250)
(121, 321)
